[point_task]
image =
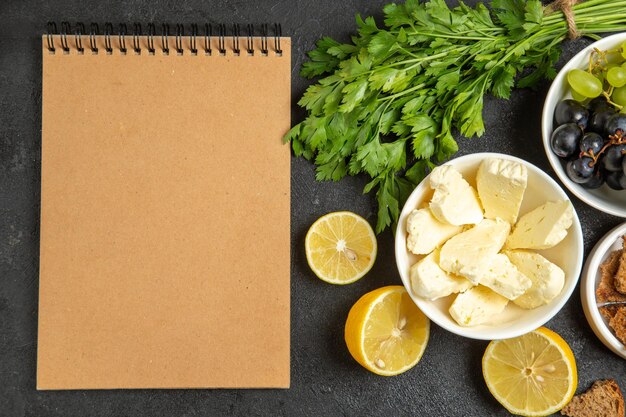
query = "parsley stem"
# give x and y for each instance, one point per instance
(402, 93)
(446, 36)
(408, 52)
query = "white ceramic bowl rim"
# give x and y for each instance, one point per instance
(514, 329)
(602, 203)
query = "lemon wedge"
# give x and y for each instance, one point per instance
(531, 375)
(385, 331)
(340, 247)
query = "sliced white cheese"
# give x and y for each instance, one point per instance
(467, 254)
(478, 305)
(504, 278)
(429, 281)
(454, 201)
(547, 278)
(501, 184)
(542, 228)
(426, 232)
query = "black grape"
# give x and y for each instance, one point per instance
(598, 104)
(591, 142)
(598, 121)
(564, 140)
(580, 170)
(615, 123)
(614, 180)
(612, 159)
(596, 180)
(571, 111)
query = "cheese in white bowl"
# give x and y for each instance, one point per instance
(467, 253)
(544, 227)
(478, 305)
(504, 278)
(547, 278)
(429, 281)
(501, 184)
(454, 201)
(425, 232)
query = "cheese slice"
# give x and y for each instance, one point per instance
(504, 278)
(454, 201)
(429, 281)
(467, 254)
(426, 232)
(501, 184)
(542, 228)
(478, 305)
(547, 278)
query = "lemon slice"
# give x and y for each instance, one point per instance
(531, 375)
(340, 247)
(386, 332)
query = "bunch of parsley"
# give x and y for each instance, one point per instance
(388, 101)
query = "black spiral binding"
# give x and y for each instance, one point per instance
(65, 29)
(250, 40)
(78, 37)
(151, 33)
(264, 48)
(108, 31)
(192, 39)
(178, 41)
(236, 34)
(165, 34)
(278, 32)
(93, 32)
(220, 39)
(137, 36)
(122, 38)
(51, 30)
(208, 33)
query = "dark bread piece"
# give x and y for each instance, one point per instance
(618, 324)
(606, 288)
(603, 399)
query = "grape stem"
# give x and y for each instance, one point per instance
(617, 139)
(607, 95)
(601, 62)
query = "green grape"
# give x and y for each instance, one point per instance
(584, 83)
(624, 50)
(619, 96)
(578, 97)
(614, 58)
(616, 76)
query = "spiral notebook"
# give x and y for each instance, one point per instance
(165, 208)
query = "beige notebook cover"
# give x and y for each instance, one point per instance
(165, 216)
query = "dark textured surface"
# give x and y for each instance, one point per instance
(325, 379)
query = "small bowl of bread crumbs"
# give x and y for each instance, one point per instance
(603, 290)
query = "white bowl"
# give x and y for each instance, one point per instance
(590, 279)
(604, 199)
(514, 321)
